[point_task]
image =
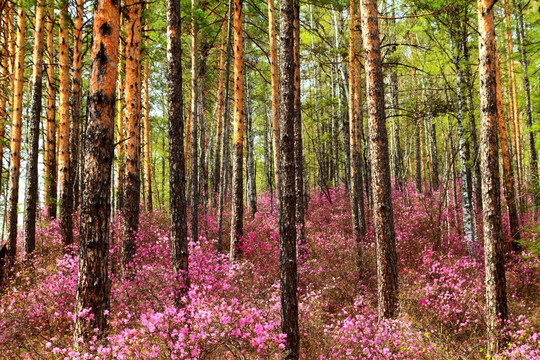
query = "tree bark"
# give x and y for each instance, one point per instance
(15, 139)
(533, 158)
(132, 182)
(355, 118)
(286, 210)
(194, 161)
(497, 309)
(93, 284)
(238, 135)
(31, 191)
(6, 26)
(275, 93)
(508, 171)
(219, 118)
(66, 189)
(383, 218)
(466, 205)
(147, 155)
(49, 157)
(298, 154)
(177, 179)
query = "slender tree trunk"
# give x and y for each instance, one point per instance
(50, 129)
(514, 113)
(533, 158)
(93, 285)
(434, 159)
(147, 160)
(286, 210)
(238, 134)
(6, 27)
(226, 127)
(355, 117)
(250, 156)
(194, 168)
(120, 129)
(203, 170)
(66, 189)
(15, 139)
(508, 171)
(76, 95)
(275, 93)
(383, 218)
(177, 179)
(472, 132)
(132, 122)
(31, 192)
(466, 205)
(298, 154)
(497, 309)
(219, 118)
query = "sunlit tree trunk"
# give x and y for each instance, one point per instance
(355, 118)
(514, 113)
(275, 92)
(76, 96)
(120, 128)
(383, 218)
(66, 193)
(216, 178)
(194, 168)
(533, 158)
(472, 131)
(250, 149)
(147, 160)
(238, 134)
(496, 305)
(226, 127)
(15, 139)
(298, 153)
(466, 205)
(6, 26)
(177, 179)
(93, 284)
(508, 171)
(132, 182)
(31, 191)
(49, 157)
(286, 209)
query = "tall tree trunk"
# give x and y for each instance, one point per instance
(238, 134)
(132, 122)
(15, 139)
(466, 205)
(497, 309)
(147, 160)
(508, 171)
(194, 168)
(76, 95)
(533, 158)
(49, 158)
(66, 193)
(6, 27)
(298, 154)
(177, 179)
(203, 170)
(31, 192)
(472, 131)
(514, 113)
(275, 92)
(286, 209)
(93, 284)
(226, 127)
(120, 128)
(417, 136)
(219, 118)
(250, 156)
(355, 117)
(434, 159)
(383, 218)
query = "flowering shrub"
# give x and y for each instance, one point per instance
(233, 310)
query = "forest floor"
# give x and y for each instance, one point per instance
(234, 309)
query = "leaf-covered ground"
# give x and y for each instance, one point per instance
(234, 310)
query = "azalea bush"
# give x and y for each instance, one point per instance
(232, 311)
